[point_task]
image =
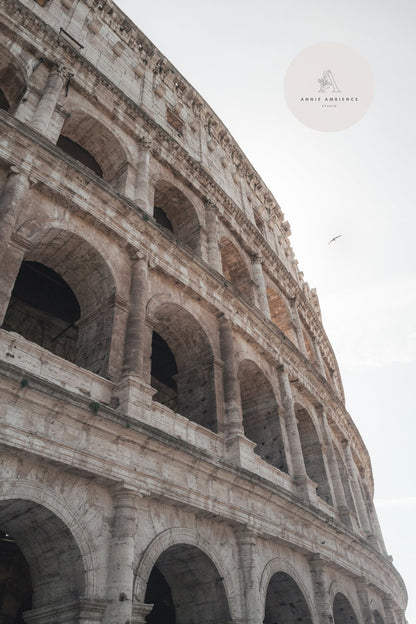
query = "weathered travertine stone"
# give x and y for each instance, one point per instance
(174, 442)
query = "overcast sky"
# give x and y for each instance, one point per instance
(357, 182)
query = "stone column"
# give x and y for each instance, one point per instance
(298, 327)
(261, 286)
(389, 610)
(120, 575)
(214, 256)
(232, 398)
(250, 596)
(323, 606)
(295, 448)
(358, 496)
(14, 190)
(46, 106)
(362, 593)
(337, 486)
(141, 196)
(134, 342)
(318, 356)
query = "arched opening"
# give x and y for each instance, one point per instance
(63, 299)
(182, 365)
(261, 415)
(42, 566)
(186, 588)
(235, 269)
(15, 582)
(12, 81)
(176, 214)
(44, 309)
(312, 454)
(163, 372)
(285, 602)
(345, 483)
(279, 313)
(343, 611)
(91, 143)
(377, 618)
(75, 150)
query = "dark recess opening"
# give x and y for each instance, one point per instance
(4, 102)
(161, 218)
(163, 362)
(15, 582)
(75, 150)
(45, 290)
(158, 593)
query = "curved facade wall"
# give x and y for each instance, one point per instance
(174, 430)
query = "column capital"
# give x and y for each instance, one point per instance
(210, 204)
(256, 258)
(145, 142)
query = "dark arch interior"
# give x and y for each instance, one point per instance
(41, 560)
(285, 603)
(186, 588)
(15, 582)
(182, 365)
(78, 152)
(162, 218)
(163, 372)
(312, 454)
(176, 214)
(44, 310)
(260, 415)
(4, 102)
(343, 611)
(377, 618)
(158, 593)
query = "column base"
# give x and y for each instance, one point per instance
(240, 450)
(134, 396)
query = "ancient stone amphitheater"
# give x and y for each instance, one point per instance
(175, 446)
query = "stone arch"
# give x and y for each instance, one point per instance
(178, 538)
(53, 540)
(377, 617)
(182, 363)
(176, 213)
(312, 453)
(59, 254)
(280, 313)
(234, 268)
(261, 420)
(343, 611)
(286, 599)
(12, 81)
(279, 564)
(92, 143)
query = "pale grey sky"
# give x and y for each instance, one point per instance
(358, 182)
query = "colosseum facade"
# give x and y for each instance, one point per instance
(175, 447)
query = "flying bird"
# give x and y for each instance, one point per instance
(334, 239)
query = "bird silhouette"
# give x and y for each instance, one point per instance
(334, 239)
